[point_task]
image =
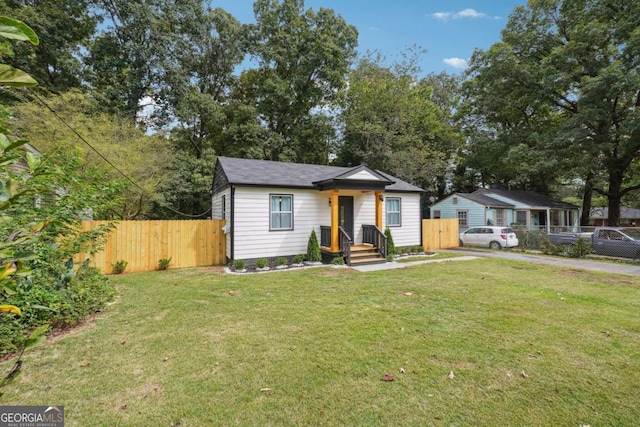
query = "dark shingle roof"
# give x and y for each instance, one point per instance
(485, 200)
(267, 173)
(530, 198)
(625, 213)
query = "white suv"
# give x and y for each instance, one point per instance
(489, 237)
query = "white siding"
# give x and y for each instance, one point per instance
(251, 229)
(216, 213)
(409, 233)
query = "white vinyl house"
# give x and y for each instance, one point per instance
(271, 208)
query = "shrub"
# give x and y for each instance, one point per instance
(417, 249)
(281, 261)
(548, 248)
(391, 248)
(238, 264)
(119, 267)
(313, 248)
(261, 262)
(87, 292)
(579, 249)
(298, 259)
(164, 263)
(337, 260)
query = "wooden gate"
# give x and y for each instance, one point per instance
(440, 234)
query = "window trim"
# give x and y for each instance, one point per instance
(224, 207)
(399, 212)
(271, 228)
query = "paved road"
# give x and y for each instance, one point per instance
(607, 267)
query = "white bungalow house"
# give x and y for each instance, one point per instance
(507, 207)
(272, 207)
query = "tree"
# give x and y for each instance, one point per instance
(302, 59)
(64, 28)
(392, 124)
(144, 159)
(565, 85)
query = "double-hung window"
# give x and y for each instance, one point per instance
(281, 212)
(394, 214)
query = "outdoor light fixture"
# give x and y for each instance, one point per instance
(280, 199)
(329, 201)
(381, 197)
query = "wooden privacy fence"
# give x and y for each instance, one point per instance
(142, 244)
(440, 234)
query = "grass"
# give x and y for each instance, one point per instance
(434, 256)
(527, 344)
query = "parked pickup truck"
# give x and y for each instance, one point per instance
(611, 241)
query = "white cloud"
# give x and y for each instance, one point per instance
(465, 13)
(468, 13)
(443, 16)
(456, 62)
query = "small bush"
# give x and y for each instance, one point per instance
(391, 248)
(548, 248)
(337, 261)
(579, 249)
(417, 249)
(298, 259)
(261, 262)
(281, 261)
(119, 267)
(238, 264)
(313, 248)
(164, 263)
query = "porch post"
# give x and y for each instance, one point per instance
(378, 195)
(335, 244)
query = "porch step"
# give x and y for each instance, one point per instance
(365, 254)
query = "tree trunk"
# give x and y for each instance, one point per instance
(586, 199)
(614, 195)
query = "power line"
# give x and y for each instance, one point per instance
(64, 122)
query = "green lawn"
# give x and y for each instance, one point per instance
(528, 345)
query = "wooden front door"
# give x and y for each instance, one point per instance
(345, 214)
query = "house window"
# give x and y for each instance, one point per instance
(455, 200)
(281, 212)
(463, 217)
(521, 218)
(394, 215)
(500, 217)
(437, 214)
(224, 207)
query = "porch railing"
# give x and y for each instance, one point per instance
(345, 245)
(374, 236)
(325, 236)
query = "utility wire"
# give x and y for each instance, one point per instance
(48, 107)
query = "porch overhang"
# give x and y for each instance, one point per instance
(358, 178)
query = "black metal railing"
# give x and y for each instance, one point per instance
(325, 236)
(374, 236)
(345, 245)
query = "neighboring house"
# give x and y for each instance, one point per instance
(629, 217)
(506, 207)
(272, 207)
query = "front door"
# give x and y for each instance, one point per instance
(345, 214)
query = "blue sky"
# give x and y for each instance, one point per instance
(448, 30)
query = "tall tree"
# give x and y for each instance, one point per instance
(392, 123)
(64, 28)
(572, 66)
(302, 58)
(144, 159)
(136, 48)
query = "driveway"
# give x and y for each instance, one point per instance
(606, 267)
